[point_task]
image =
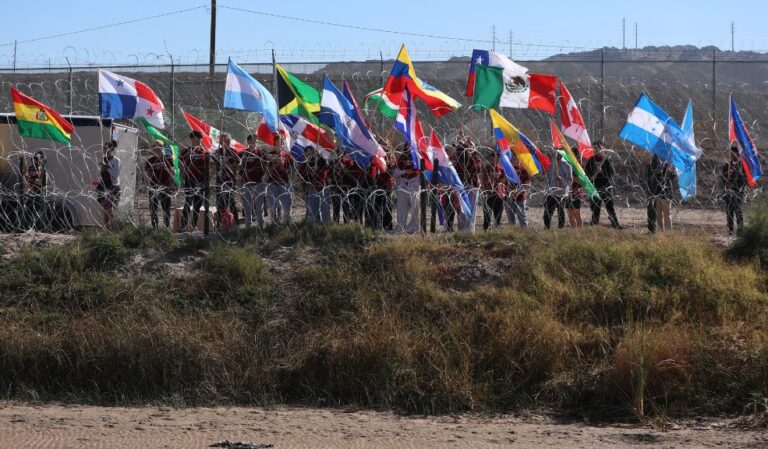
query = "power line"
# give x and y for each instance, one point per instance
(102, 27)
(382, 30)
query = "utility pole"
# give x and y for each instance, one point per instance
(636, 36)
(733, 33)
(493, 33)
(510, 43)
(623, 33)
(212, 56)
(14, 56)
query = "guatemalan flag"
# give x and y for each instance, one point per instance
(446, 173)
(737, 132)
(121, 97)
(650, 127)
(407, 122)
(244, 93)
(339, 114)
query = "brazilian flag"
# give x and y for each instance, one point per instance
(295, 97)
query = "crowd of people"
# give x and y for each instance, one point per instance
(256, 186)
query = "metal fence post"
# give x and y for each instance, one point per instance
(70, 92)
(714, 97)
(602, 94)
(172, 86)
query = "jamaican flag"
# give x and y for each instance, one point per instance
(295, 97)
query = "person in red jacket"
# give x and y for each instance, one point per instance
(277, 176)
(379, 210)
(469, 166)
(494, 192)
(253, 191)
(314, 173)
(158, 170)
(227, 163)
(193, 177)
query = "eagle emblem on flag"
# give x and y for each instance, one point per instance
(516, 84)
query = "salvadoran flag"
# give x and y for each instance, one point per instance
(407, 122)
(210, 134)
(121, 97)
(737, 132)
(244, 93)
(446, 173)
(650, 127)
(339, 114)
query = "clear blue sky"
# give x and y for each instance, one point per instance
(247, 37)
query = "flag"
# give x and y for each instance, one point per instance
(737, 132)
(407, 122)
(686, 180)
(380, 156)
(561, 145)
(650, 127)
(508, 137)
(35, 119)
(295, 97)
(244, 93)
(403, 75)
(305, 134)
(339, 114)
(446, 173)
(170, 147)
(121, 97)
(572, 123)
(498, 82)
(210, 134)
(267, 136)
(381, 101)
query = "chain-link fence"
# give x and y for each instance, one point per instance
(605, 89)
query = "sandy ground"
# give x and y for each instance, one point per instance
(54, 426)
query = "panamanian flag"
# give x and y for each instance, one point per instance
(121, 97)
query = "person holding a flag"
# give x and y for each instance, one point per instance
(494, 192)
(734, 182)
(227, 163)
(109, 187)
(573, 204)
(408, 187)
(277, 176)
(559, 180)
(253, 191)
(517, 199)
(193, 179)
(600, 172)
(158, 170)
(469, 166)
(34, 195)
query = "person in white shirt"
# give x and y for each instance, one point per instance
(109, 186)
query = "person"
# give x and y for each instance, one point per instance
(335, 182)
(227, 161)
(660, 176)
(353, 178)
(448, 196)
(469, 166)
(34, 200)
(314, 173)
(277, 178)
(253, 191)
(494, 191)
(380, 215)
(600, 172)
(559, 179)
(734, 182)
(573, 204)
(109, 187)
(158, 170)
(517, 198)
(408, 186)
(193, 179)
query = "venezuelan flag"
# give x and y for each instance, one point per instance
(403, 74)
(35, 119)
(508, 137)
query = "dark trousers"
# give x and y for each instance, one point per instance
(379, 210)
(33, 210)
(354, 205)
(552, 203)
(606, 197)
(159, 198)
(449, 212)
(493, 205)
(194, 200)
(335, 195)
(652, 213)
(733, 211)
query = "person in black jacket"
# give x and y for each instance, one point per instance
(734, 183)
(600, 172)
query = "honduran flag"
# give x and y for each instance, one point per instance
(446, 173)
(496, 81)
(403, 75)
(510, 138)
(407, 122)
(210, 134)
(121, 97)
(244, 93)
(738, 133)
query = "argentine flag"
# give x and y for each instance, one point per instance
(244, 93)
(650, 127)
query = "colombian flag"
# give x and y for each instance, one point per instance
(403, 74)
(35, 119)
(508, 137)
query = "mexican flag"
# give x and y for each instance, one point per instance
(169, 147)
(496, 81)
(380, 100)
(210, 134)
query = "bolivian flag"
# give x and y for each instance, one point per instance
(35, 119)
(295, 97)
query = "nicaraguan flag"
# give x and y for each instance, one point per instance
(244, 93)
(121, 97)
(738, 133)
(339, 114)
(650, 127)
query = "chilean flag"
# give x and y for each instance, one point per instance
(121, 97)
(737, 132)
(446, 173)
(210, 134)
(408, 123)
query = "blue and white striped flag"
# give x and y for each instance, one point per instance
(244, 93)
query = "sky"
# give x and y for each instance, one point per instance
(537, 30)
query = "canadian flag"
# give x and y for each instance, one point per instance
(210, 134)
(572, 123)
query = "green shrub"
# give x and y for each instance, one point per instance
(752, 240)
